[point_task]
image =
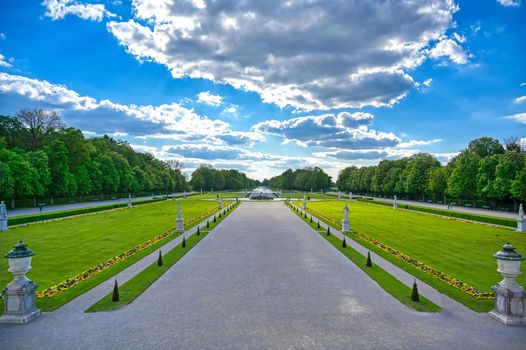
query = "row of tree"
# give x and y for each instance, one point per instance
(302, 180)
(41, 157)
(205, 177)
(486, 170)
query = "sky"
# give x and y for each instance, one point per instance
(262, 86)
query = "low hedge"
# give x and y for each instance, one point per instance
(453, 214)
(26, 219)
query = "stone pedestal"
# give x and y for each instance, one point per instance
(510, 306)
(129, 205)
(521, 226)
(305, 205)
(346, 226)
(179, 225)
(220, 205)
(3, 224)
(19, 303)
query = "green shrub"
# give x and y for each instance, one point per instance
(115, 295)
(160, 259)
(369, 263)
(184, 242)
(414, 293)
(344, 244)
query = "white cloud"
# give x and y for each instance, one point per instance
(207, 98)
(343, 130)
(451, 49)
(413, 143)
(231, 110)
(58, 9)
(308, 55)
(169, 121)
(519, 117)
(510, 3)
(4, 62)
(520, 99)
(428, 82)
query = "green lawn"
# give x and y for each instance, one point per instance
(390, 284)
(461, 249)
(134, 287)
(308, 194)
(213, 195)
(67, 247)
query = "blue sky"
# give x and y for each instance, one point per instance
(261, 86)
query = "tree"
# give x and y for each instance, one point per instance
(39, 124)
(7, 183)
(417, 170)
(59, 168)
(437, 182)
(462, 182)
(485, 147)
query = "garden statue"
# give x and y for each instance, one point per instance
(179, 221)
(184, 194)
(129, 201)
(346, 222)
(219, 202)
(521, 220)
(395, 203)
(339, 195)
(350, 196)
(3, 217)
(304, 201)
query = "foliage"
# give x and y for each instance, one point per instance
(205, 177)
(40, 157)
(302, 180)
(484, 170)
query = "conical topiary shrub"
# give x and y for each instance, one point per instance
(344, 244)
(369, 263)
(414, 293)
(184, 242)
(207, 223)
(311, 218)
(318, 223)
(115, 295)
(305, 215)
(160, 259)
(215, 219)
(198, 232)
(220, 215)
(328, 231)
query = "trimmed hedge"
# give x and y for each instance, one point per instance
(26, 219)
(454, 214)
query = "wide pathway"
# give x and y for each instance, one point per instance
(263, 279)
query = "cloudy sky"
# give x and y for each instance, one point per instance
(262, 86)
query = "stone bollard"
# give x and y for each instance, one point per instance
(3, 217)
(510, 297)
(19, 296)
(179, 227)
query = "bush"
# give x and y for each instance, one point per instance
(369, 263)
(115, 295)
(328, 231)
(453, 214)
(26, 219)
(197, 233)
(184, 242)
(414, 293)
(344, 244)
(160, 259)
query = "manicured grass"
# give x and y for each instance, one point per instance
(134, 287)
(25, 219)
(390, 284)
(460, 249)
(67, 247)
(451, 213)
(299, 195)
(224, 195)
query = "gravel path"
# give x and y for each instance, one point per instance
(263, 280)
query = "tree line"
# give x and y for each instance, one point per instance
(486, 171)
(40, 157)
(207, 178)
(302, 180)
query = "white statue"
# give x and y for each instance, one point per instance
(219, 202)
(339, 195)
(129, 200)
(3, 211)
(179, 211)
(179, 221)
(304, 201)
(395, 203)
(346, 223)
(521, 212)
(350, 196)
